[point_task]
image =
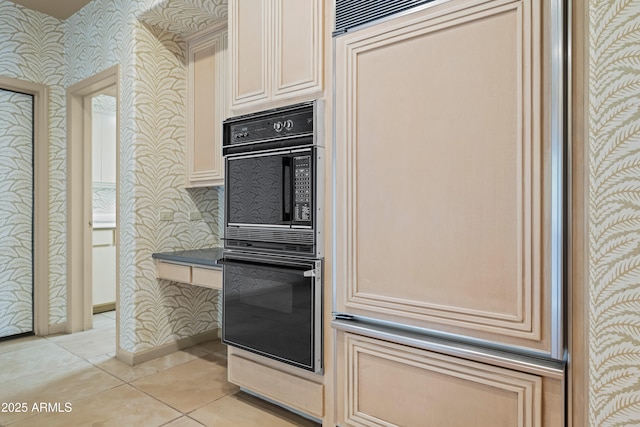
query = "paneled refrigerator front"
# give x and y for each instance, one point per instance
(449, 208)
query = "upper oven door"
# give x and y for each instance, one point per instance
(271, 189)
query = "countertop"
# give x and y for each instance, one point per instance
(208, 256)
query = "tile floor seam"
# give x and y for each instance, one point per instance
(188, 413)
(155, 398)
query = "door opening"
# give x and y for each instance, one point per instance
(93, 188)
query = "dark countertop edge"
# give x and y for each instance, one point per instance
(207, 257)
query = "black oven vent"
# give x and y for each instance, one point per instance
(286, 236)
(353, 13)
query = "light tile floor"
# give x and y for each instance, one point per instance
(75, 380)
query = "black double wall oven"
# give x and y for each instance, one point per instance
(273, 245)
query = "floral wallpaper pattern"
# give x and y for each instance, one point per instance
(16, 213)
(184, 16)
(614, 176)
(31, 48)
(104, 201)
(152, 169)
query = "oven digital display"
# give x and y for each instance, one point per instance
(302, 188)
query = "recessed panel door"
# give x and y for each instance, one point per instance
(16, 213)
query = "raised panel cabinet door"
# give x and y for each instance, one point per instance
(442, 172)
(207, 88)
(249, 42)
(298, 41)
(387, 384)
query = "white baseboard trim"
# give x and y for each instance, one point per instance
(153, 353)
(57, 329)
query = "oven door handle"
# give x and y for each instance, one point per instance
(287, 190)
(290, 270)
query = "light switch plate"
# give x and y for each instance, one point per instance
(166, 216)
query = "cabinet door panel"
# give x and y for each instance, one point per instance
(298, 46)
(206, 277)
(439, 156)
(249, 44)
(207, 90)
(385, 384)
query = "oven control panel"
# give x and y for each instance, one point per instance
(302, 182)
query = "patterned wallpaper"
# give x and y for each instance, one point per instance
(614, 177)
(184, 16)
(31, 49)
(104, 201)
(152, 169)
(103, 103)
(16, 213)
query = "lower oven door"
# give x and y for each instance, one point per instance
(273, 307)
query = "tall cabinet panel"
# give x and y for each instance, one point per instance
(207, 107)
(298, 46)
(249, 46)
(443, 173)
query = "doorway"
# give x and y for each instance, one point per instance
(92, 126)
(103, 173)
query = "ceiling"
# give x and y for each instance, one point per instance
(61, 9)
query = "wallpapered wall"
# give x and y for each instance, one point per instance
(45, 50)
(31, 49)
(152, 168)
(614, 177)
(16, 212)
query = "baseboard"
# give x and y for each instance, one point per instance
(57, 329)
(101, 308)
(153, 353)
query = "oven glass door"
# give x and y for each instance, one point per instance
(270, 189)
(274, 307)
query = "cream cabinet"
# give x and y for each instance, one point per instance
(276, 51)
(206, 106)
(196, 275)
(388, 384)
(460, 128)
(104, 269)
(272, 381)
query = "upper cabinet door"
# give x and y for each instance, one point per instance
(249, 42)
(276, 52)
(443, 172)
(207, 107)
(297, 33)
